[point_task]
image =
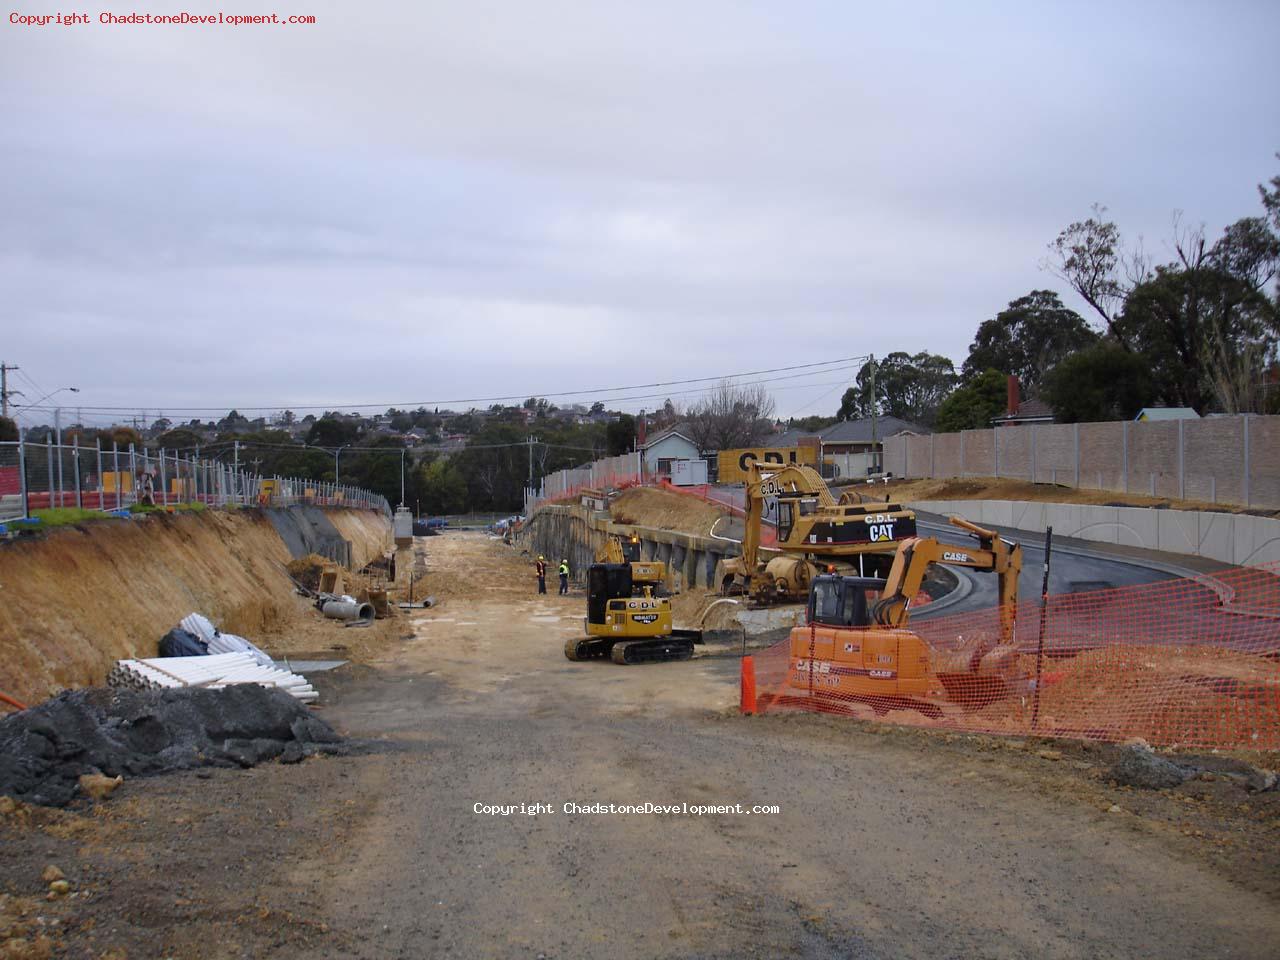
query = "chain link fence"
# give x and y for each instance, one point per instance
(43, 476)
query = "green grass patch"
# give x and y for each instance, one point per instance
(65, 516)
(172, 508)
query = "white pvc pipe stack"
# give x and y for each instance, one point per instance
(218, 642)
(214, 672)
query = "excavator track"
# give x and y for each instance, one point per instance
(657, 650)
(587, 648)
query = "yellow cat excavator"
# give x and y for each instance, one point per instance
(628, 617)
(815, 531)
(856, 646)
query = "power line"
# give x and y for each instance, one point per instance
(830, 365)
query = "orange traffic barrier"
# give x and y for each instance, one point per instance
(747, 702)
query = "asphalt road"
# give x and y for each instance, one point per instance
(1070, 570)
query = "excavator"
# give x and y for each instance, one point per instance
(856, 645)
(842, 533)
(628, 616)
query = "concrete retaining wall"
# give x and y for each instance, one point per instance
(1230, 537)
(574, 533)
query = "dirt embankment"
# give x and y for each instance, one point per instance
(664, 510)
(998, 488)
(80, 598)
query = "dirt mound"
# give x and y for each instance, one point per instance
(665, 510)
(45, 751)
(999, 488)
(306, 570)
(80, 598)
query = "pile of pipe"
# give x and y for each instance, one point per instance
(343, 607)
(217, 642)
(213, 672)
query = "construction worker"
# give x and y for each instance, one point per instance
(564, 577)
(541, 567)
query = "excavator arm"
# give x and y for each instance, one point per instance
(765, 482)
(916, 554)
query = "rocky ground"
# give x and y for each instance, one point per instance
(886, 842)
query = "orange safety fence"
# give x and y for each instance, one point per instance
(1186, 662)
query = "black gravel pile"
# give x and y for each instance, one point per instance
(44, 750)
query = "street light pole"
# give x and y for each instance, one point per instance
(402, 476)
(335, 462)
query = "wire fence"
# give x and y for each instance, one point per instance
(1188, 662)
(41, 476)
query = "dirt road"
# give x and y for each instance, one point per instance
(885, 843)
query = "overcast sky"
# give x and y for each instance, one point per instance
(434, 201)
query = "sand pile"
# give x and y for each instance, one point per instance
(665, 510)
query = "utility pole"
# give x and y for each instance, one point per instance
(872, 364)
(529, 444)
(4, 388)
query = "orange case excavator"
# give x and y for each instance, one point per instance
(856, 646)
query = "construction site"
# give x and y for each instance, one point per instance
(475, 768)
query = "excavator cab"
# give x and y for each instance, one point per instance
(627, 621)
(836, 601)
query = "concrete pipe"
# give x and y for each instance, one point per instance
(347, 610)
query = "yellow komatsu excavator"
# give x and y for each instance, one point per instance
(628, 616)
(815, 532)
(856, 646)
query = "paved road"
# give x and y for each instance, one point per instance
(1070, 571)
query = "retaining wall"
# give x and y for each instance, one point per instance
(1233, 538)
(575, 533)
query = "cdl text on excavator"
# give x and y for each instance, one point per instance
(856, 646)
(628, 617)
(815, 531)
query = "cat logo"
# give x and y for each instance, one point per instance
(956, 557)
(880, 532)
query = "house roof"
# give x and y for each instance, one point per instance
(676, 430)
(1029, 411)
(1167, 413)
(859, 431)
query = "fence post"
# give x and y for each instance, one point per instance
(1182, 468)
(22, 474)
(49, 456)
(1077, 444)
(75, 466)
(1124, 451)
(164, 484)
(1245, 478)
(102, 503)
(115, 454)
(133, 472)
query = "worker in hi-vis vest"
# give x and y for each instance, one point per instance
(564, 577)
(541, 567)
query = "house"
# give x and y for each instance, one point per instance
(663, 449)
(1025, 411)
(1166, 413)
(855, 448)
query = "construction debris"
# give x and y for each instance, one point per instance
(214, 672)
(345, 608)
(113, 732)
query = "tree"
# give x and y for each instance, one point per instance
(330, 431)
(731, 416)
(620, 435)
(1027, 338)
(810, 424)
(442, 487)
(974, 405)
(8, 430)
(1087, 256)
(179, 439)
(597, 407)
(907, 386)
(1102, 382)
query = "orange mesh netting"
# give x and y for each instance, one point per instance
(1190, 662)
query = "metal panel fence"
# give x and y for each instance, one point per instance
(1233, 460)
(38, 476)
(611, 472)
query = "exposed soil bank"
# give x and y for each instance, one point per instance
(80, 598)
